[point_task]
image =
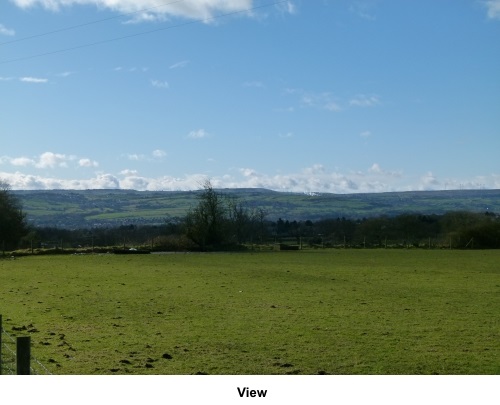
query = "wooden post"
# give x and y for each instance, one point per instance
(1, 344)
(23, 355)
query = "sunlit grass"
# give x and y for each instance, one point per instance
(335, 312)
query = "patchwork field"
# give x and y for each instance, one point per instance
(88, 208)
(307, 312)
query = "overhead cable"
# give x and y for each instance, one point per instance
(105, 41)
(74, 27)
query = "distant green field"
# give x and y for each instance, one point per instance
(73, 209)
(307, 312)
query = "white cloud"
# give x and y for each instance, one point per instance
(22, 161)
(128, 172)
(65, 74)
(323, 101)
(315, 169)
(135, 183)
(158, 153)
(180, 64)
(365, 134)
(375, 168)
(105, 181)
(327, 101)
(6, 31)
(160, 84)
(47, 160)
(198, 134)
(429, 182)
(87, 163)
(332, 106)
(363, 100)
(363, 10)
(248, 172)
(22, 181)
(139, 157)
(33, 80)
(493, 8)
(150, 10)
(188, 182)
(133, 69)
(288, 7)
(136, 157)
(51, 160)
(255, 83)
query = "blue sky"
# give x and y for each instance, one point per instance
(306, 96)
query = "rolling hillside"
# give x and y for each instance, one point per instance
(91, 208)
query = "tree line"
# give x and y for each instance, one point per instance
(221, 222)
(13, 224)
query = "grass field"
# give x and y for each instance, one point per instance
(308, 312)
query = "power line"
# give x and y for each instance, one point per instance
(73, 27)
(105, 41)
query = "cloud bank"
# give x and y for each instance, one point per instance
(311, 179)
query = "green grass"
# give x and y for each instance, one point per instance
(309, 312)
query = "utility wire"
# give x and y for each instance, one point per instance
(74, 27)
(105, 41)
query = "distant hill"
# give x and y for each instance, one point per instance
(90, 208)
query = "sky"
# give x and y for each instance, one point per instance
(316, 96)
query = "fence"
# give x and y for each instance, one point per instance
(16, 357)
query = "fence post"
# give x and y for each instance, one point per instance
(1, 329)
(23, 354)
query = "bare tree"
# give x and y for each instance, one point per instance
(205, 223)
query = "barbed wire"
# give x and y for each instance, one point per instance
(9, 349)
(6, 365)
(12, 357)
(8, 357)
(8, 335)
(41, 365)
